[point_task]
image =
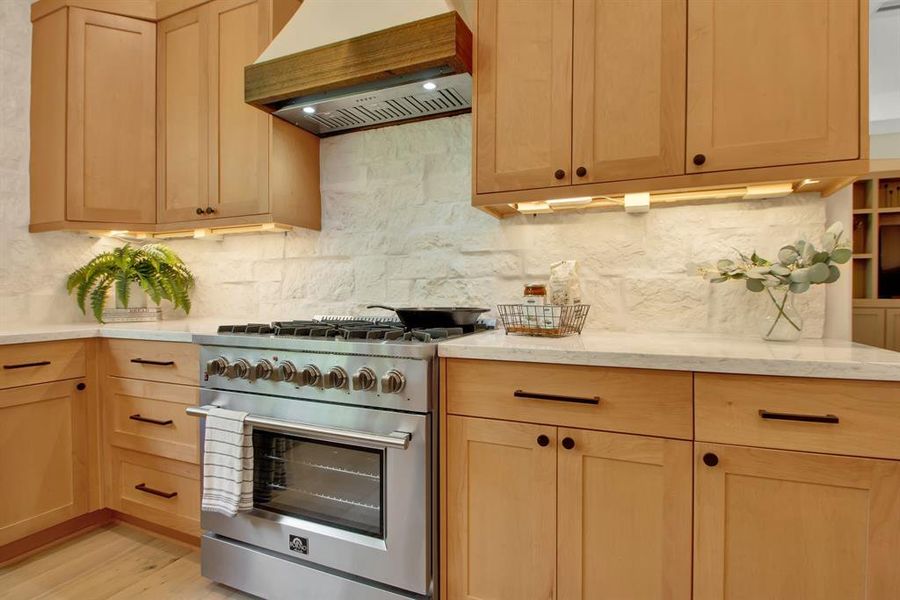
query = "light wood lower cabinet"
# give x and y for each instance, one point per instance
(624, 516)
(151, 445)
(501, 513)
(44, 458)
(536, 512)
(777, 524)
(148, 416)
(161, 491)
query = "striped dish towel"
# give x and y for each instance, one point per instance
(227, 462)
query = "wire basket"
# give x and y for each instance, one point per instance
(548, 320)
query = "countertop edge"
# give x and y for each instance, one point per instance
(823, 369)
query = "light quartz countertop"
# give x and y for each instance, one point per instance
(835, 359)
(180, 330)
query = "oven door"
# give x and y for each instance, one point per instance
(335, 486)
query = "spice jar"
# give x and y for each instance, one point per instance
(535, 294)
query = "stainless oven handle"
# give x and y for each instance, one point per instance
(398, 439)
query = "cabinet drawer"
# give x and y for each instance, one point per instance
(860, 418)
(159, 490)
(626, 400)
(169, 362)
(27, 364)
(148, 416)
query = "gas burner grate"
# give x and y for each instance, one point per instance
(349, 328)
(370, 332)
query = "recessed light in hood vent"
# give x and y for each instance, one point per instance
(451, 95)
(369, 80)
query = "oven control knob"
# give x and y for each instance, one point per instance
(286, 371)
(309, 375)
(364, 379)
(262, 369)
(335, 378)
(239, 368)
(216, 366)
(392, 382)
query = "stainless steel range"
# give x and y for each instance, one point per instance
(344, 437)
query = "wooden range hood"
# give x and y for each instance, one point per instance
(412, 71)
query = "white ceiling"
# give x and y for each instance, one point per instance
(884, 67)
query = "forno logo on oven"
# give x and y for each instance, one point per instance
(299, 544)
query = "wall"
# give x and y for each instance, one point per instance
(397, 227)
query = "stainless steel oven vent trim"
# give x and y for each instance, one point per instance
(398, 440)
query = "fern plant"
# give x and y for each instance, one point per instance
(154, 267)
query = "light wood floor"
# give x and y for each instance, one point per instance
(117, 562)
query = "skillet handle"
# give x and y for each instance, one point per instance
(384, 306)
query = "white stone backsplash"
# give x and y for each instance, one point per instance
(397, 227)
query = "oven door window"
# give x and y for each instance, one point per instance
(341, 486)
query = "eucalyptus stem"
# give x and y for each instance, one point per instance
(781, 312)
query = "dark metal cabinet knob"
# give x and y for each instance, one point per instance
(80, 386)
(559, 174)
(699, 159)
(199, 211)
(543, 440)
(568, 443)
(581, 171)
(210, 210)
(710, 459)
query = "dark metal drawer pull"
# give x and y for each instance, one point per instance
(576, 399)
(42, 363)
(138, 417)
(158, 363)
(792, 417)
(142, 487)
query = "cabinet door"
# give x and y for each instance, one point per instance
(869, 326)
(892, 329)
(111, 119)
(43, 457)
(624, 516)
(239, 133)
(523, 94)
(501, 510)
(628, 89)
(776, 524)
(183, 104)
(772, 83)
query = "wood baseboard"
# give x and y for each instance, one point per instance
(25, 547)
(179, 536)
(21, 549)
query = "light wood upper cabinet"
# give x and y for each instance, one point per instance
(142, 126)
(523, 94)
(666, 95)
(772, 83)
(183, 139)
(239, 133)
(93, 119)
(775, 524)
(628, 89)
(222, 161)
(501, 516)
(624, 516)
(44, 462)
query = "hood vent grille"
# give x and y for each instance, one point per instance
(370, 80)
(453, 94)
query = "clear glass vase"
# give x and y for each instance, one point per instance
(782, 322)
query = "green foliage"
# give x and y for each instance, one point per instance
(799, 265)
(154, 267)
